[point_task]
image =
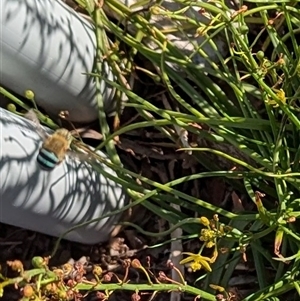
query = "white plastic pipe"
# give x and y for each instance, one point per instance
(46, 46)
(51, 202)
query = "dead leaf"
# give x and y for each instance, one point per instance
(237, 203)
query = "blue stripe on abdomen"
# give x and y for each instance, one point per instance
(46, 159)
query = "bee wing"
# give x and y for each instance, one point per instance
(79, 156)
(85, 132)
(31, 115)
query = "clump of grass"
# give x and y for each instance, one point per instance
(253, 128)
(243, 110)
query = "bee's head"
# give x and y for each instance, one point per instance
(64, 133)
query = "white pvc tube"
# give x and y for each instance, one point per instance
(45, 46)
(51, 202)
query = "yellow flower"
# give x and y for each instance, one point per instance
(281, 96)
(197, 261)
(195, 266)
(207, 235)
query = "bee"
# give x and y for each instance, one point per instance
(55, 147)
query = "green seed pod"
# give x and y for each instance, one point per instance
(29, 94)
(11, 107)
(38, 262)
(244, 29)
(260, 55)
(114, 58)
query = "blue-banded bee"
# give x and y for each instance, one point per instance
(54, 147)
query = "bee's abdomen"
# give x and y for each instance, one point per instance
(47, 159)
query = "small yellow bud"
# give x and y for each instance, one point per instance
(200, 31)
(97, 270)
(29, 94)
(155, 10)
(210, 244)
(204, 221)
(11, 107)
(217, 288)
